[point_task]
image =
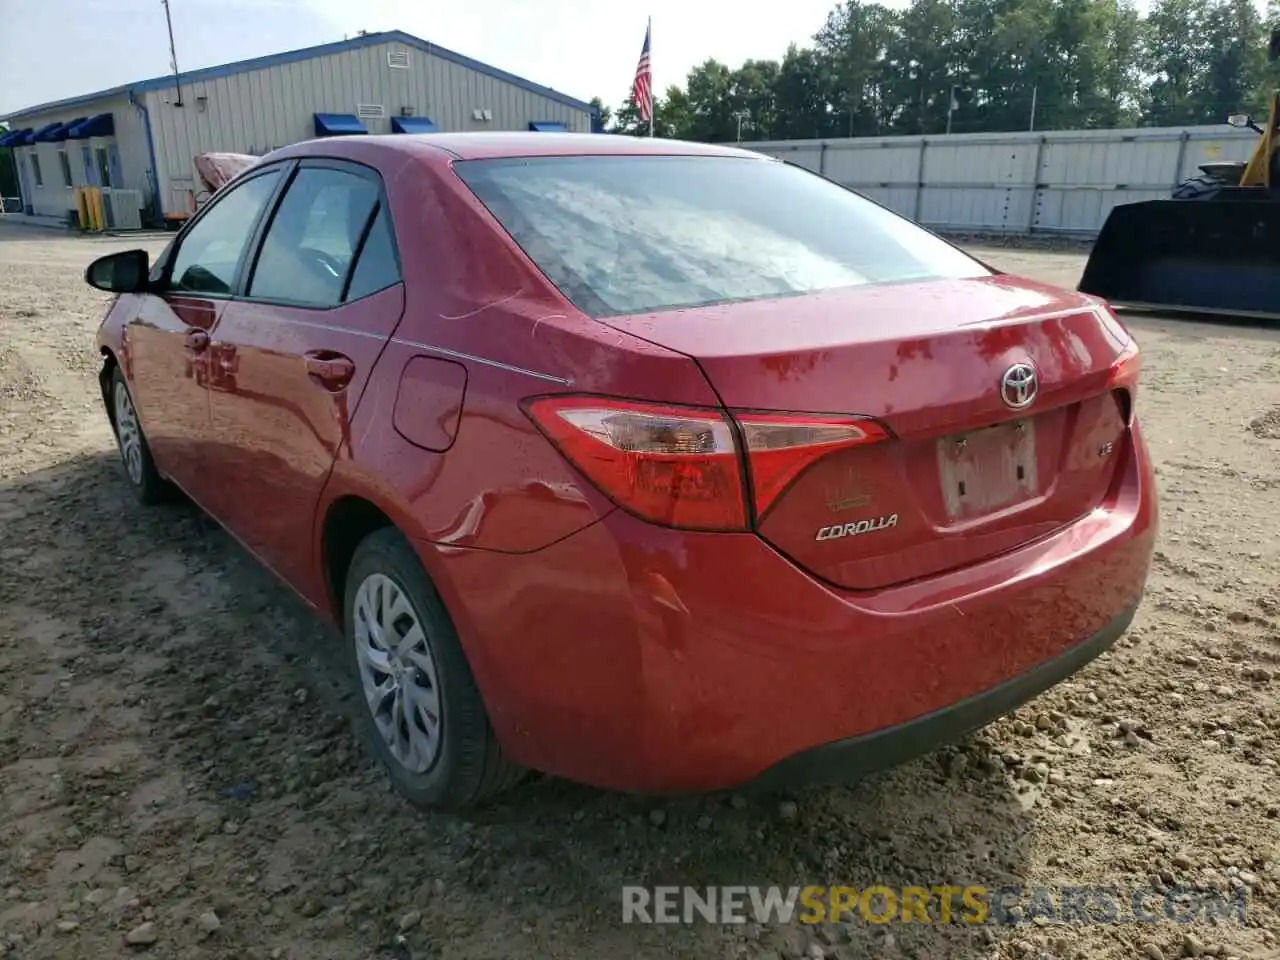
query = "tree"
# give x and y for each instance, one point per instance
(1236, 61)
(984, 65)
(710, 89)
(753, 97)
(1271, 70)
(670, 117)
(626, 120)
(856, 41)
(1176, 54)
(603, 115)
(802, 96)
(1120, 83)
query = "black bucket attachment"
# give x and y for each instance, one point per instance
(1198, 256)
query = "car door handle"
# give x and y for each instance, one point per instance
(332, 370)
(197, 340)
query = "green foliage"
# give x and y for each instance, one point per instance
(604, 116)
(877, 71)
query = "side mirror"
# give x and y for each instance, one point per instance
(1238, 120)
(120, 272)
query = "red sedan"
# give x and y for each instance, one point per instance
(652, 465)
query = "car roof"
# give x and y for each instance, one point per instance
(487, 145)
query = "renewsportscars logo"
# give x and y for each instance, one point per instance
(858, 528)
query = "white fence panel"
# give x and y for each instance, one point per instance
(1057, 182)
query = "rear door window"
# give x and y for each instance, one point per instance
(310, 247)
(628, 234)
(378, 266)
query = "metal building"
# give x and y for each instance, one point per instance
(139, 141)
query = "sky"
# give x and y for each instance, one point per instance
(50, 49)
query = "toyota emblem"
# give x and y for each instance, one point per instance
(1019, 385)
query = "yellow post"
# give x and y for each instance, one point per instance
(99, 220)
(82, 207)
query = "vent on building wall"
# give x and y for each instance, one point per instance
(370, 111)
(398, 59)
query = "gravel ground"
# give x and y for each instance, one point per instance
(179, 778)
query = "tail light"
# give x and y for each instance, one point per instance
(691, 467)
(781, 446)
(1123, 379)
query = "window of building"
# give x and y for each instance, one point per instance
(311, 243)
(206, 261)
(35, 170)
(103, 165)
(65, 163)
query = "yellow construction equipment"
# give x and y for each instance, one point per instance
(1213, 247)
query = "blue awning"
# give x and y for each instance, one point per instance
(62, 131)
(547, 126)
(39, 135)
(338, 124)
(413, 125)
(103, 125)
(56, 133)
(14, 138)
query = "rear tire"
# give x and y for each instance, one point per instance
(421, 714)
(1197, 188)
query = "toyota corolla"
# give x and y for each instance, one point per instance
(652, 465)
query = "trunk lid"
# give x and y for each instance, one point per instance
(964, 475)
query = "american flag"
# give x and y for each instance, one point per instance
(642, 86)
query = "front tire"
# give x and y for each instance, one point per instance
(421, 714)
(135, 455)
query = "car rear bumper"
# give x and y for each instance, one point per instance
(858, 756)
(637, 658)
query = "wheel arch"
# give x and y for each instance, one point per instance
(109, 365)
(346, 521)
(349, 513)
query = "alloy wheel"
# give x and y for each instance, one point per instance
(398, 673)
(128, 434)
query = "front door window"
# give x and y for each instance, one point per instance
(210, 253)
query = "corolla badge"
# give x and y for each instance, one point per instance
(856, 529)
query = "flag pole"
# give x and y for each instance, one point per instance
(653, 99)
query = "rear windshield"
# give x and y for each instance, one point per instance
(626, 234)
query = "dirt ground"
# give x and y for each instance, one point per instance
(179, 780)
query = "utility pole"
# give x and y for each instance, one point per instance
(173, 53)
(951, 106)
(740, 116)
(1034, 91)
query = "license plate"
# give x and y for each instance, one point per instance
(985, 470)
